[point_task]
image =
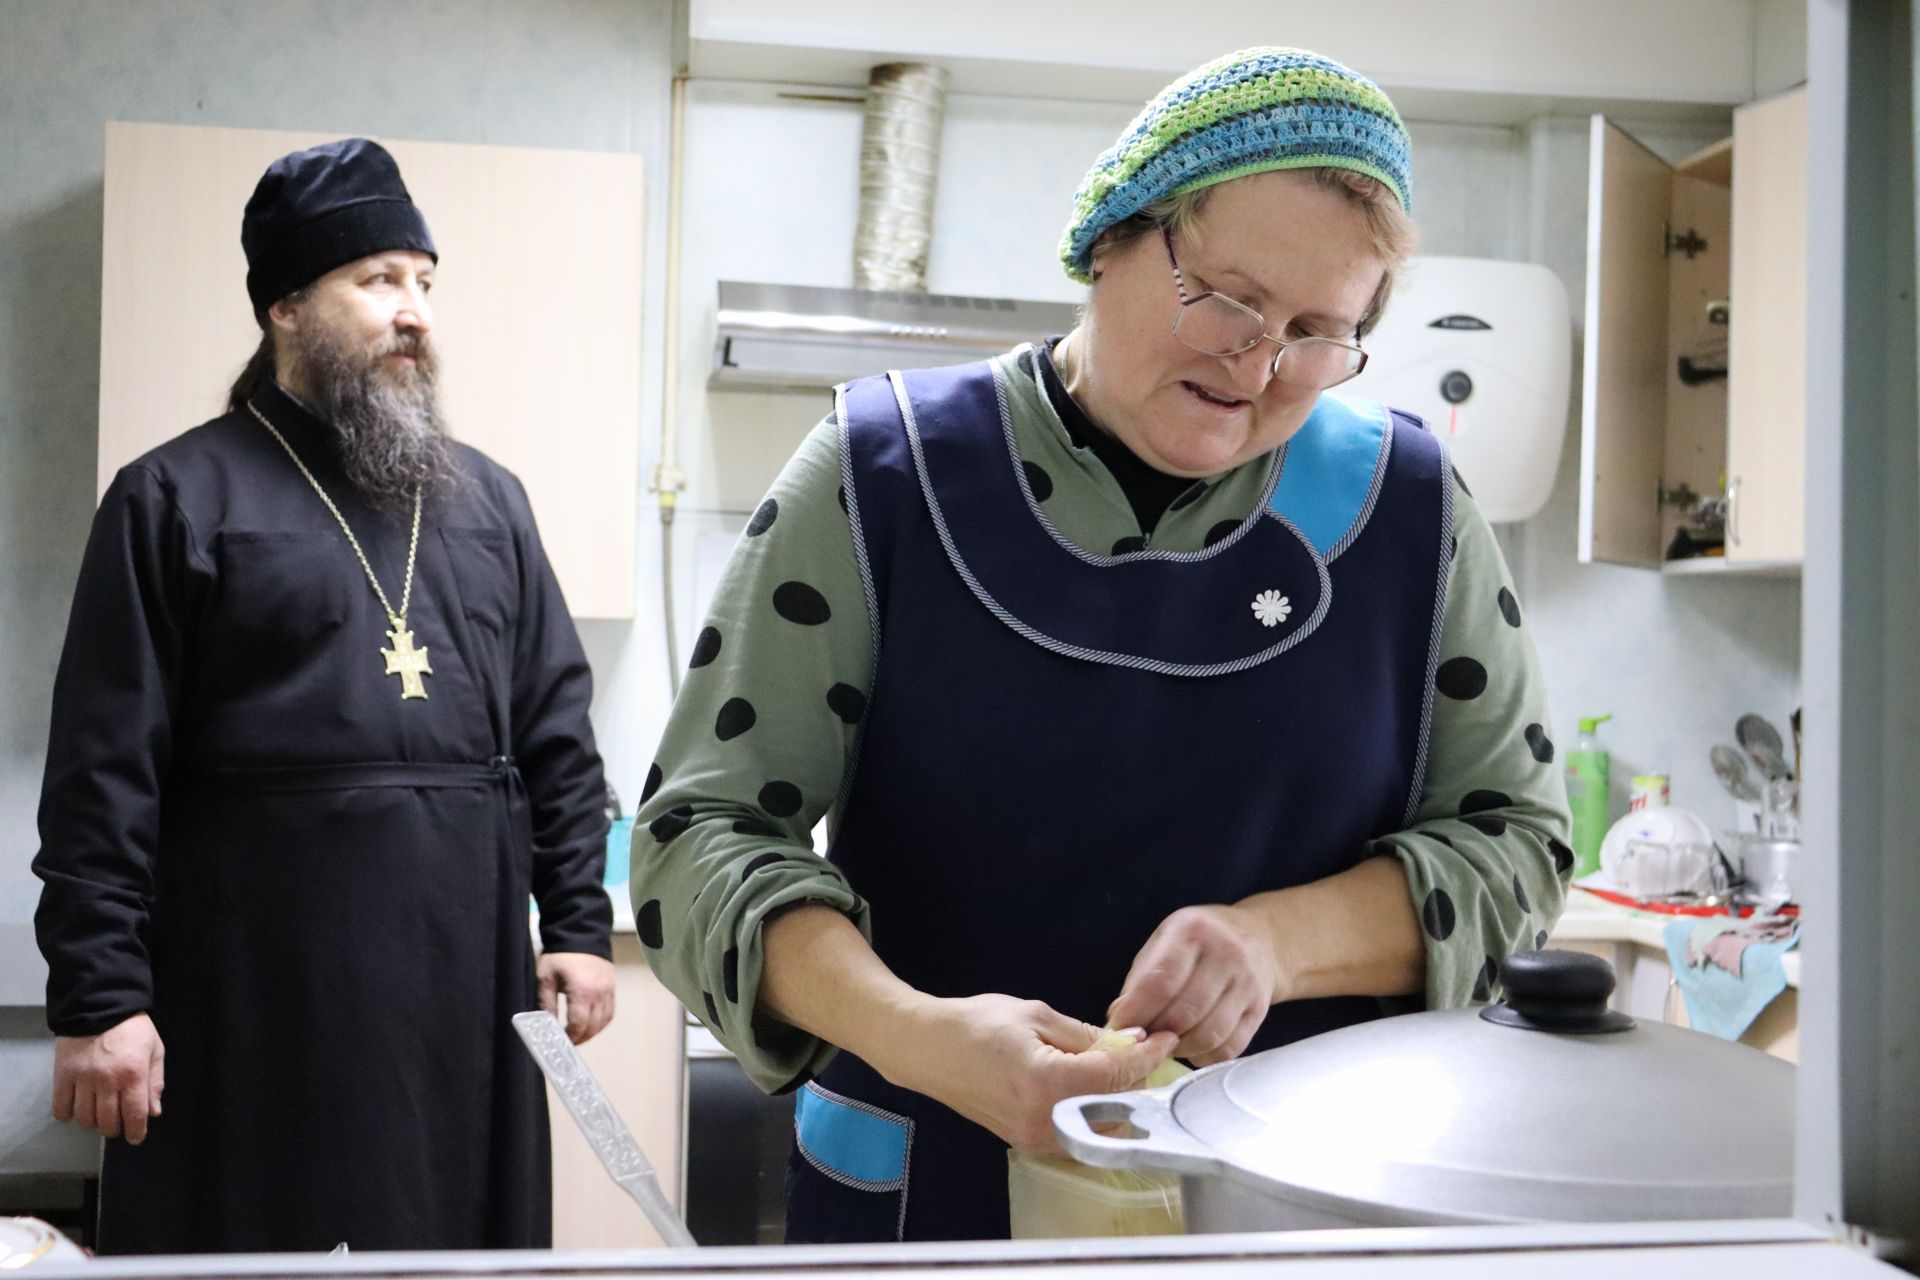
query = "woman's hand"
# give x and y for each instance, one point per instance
(1208, 975)
(1003, 1063)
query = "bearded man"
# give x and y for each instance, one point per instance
(319, 729)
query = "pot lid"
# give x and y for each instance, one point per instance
(1548, 1108)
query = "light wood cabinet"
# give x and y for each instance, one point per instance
(1695, 371)
(537, 307)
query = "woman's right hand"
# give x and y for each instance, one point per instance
(1003, 1063)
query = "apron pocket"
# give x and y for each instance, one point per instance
(847, 1179)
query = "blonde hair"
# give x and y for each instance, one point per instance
(1390, 230)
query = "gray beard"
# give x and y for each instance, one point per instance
(393, 439)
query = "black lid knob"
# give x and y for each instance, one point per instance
(1564, 991)
(1455, 387)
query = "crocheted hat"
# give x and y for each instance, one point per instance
(1259, 109)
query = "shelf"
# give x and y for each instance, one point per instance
(1717, 566)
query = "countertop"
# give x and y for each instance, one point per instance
(1758, 1250)
(1588, 918)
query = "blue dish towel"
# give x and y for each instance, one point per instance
(1718, 1002)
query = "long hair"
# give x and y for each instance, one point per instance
(261, 366)
(258, 373)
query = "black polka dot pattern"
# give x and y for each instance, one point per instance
(706, 647)
(1222, 530)
(763, 517)
(1540, 940)
(759, 860)
(847, 702)
(1509, 608)
(1129, 544)
(1486, 824)
(646, 923)
(654, 779)
(781, 799)
(1037, 480)
(713, 1011)
(1461, 679)
(1436, 913)
(1481, 801)
(1520, 894)
(736, 717)
(730, 973)
(1539, 743)
(1443, 840)
(842, 495)
(1453, 548)
(1188, 498)
(1483, 985)
(1562, 856)
(800, 603)
(672, 823)
(755, 827)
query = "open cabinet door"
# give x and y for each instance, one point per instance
(1623, 384)
(1767, 386)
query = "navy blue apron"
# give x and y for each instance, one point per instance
(1063, 748)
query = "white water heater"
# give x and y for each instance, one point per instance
(1482, 350)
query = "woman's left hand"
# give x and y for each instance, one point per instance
(1209, 975)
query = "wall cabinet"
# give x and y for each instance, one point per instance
(1695, 373)
(536, 311)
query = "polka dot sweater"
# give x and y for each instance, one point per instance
(761, 738)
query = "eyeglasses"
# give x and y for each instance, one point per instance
(1215, 325)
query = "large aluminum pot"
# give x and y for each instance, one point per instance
(1546, 1108)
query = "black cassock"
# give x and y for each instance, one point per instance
(319, 890)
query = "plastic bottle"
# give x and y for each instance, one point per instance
(1587, 781)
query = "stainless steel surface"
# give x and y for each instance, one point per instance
(1762, 741)
(1444, 1117)
(1731, 768)
(899, 167)
(799, 337)
(587, 1103)
(1753, 1250)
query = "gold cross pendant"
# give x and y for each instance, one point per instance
(405, 661)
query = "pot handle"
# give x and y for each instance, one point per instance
(1155, 1141)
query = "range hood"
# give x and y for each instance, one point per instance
(795, 337)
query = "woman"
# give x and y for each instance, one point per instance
(1149, 685)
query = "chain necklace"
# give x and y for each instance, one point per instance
(403, 659)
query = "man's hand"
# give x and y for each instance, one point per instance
(1003, 1063)
(111, 1082)
(587, 983)
(1208, 975)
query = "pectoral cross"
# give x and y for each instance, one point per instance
(405, 661)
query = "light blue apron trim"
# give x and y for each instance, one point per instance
(1328, 478)
(864, 1146)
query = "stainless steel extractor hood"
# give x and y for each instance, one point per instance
(795, 337)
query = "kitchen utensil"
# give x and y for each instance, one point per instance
(1731, 768)
(1669, 826)
(1770, 869)
(1463, 1116)
(1762, 742)
(587, 1103)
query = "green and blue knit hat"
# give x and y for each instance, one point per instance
(1248, 112)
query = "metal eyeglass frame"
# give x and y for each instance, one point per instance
(1180, 283)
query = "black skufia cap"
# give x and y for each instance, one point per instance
(322, 208)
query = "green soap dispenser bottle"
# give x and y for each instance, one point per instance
(1587, 782)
